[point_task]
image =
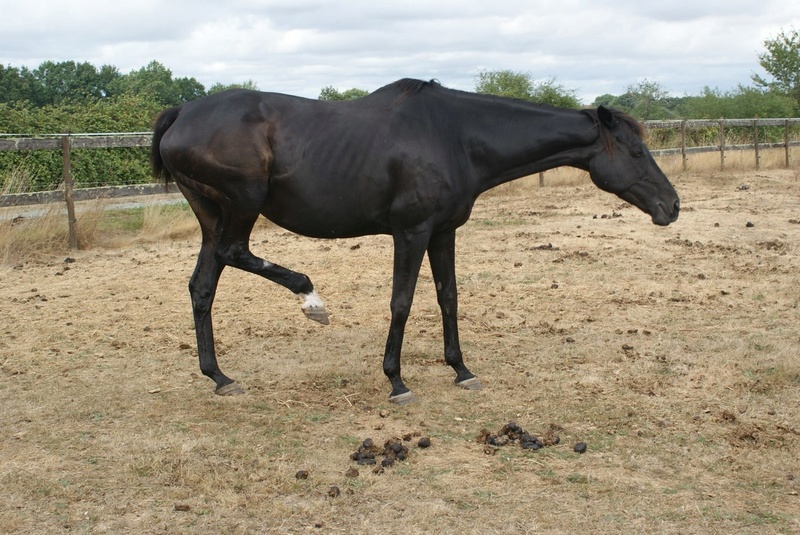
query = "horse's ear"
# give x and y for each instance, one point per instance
(606, 117)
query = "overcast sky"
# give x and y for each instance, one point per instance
(301, 46)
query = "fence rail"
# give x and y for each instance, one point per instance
(77, 141)
(66, 142)
(683, 126)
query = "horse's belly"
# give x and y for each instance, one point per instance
(323, 221)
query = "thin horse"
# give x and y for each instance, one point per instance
(408, 160)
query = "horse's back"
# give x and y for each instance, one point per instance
(325, 169)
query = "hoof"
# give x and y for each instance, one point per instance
(470, 384)
(404, 399)
(314, 308)
(318, 314)
(230, 389)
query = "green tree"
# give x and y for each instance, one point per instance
(645, 100)
(504, 83)
(554, 94)
(16, 84)
(67, 81)
(782, 61)
(520, 85)
(156, 82)
(218, 87)
(331, 93)
(740, 103)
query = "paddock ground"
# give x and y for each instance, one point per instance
(671, 352)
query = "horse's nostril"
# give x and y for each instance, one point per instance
(677, 205)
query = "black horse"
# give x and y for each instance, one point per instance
(408, 160)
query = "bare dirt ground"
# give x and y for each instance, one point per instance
(671, 352)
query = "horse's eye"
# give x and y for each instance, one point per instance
(637, 153)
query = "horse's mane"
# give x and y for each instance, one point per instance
(636, 126)
(410, 85)
(407, 87)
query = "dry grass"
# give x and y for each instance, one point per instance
(44, 231)
(19, 180)
(671, 351)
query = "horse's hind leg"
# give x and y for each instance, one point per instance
(234, 250)
(441, 254)
(203, 287)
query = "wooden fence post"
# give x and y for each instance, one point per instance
(755, 143)
(722, 144)
(683, 144)
(71, 220)
(786, 141)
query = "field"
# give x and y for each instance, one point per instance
(672, 353)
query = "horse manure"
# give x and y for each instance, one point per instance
(301, 474)
(409, 436)
(512, 433)
(393, 450)
(334, 491)
(580, 447)
(351, 472)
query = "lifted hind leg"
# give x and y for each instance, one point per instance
(226, 235)
(238, 255)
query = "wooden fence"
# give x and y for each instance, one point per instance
(721, 146)
(67, 142)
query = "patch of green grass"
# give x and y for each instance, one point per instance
(130, 220)
(483, 494)
(133, 219)
(581, 479)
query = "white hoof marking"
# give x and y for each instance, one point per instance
(312, 300)
(314, 308)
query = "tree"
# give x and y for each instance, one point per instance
(16, 84)
(218, 87)
(520, 85)
(155, 81)
(331, 93)
(782, 61)
(504, 83)
(741, 103)
(554, 94)
(645, 100)
(70, 82)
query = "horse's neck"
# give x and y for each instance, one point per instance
(509, 140)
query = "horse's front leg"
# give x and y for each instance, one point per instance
(409, 248)
(441, 253)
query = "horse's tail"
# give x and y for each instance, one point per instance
(162, 124)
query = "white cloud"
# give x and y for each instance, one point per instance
(300, 46)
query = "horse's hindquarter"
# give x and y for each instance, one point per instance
(219, 147)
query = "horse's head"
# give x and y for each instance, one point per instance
(623, 166)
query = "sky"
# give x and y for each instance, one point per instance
(300, 46)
